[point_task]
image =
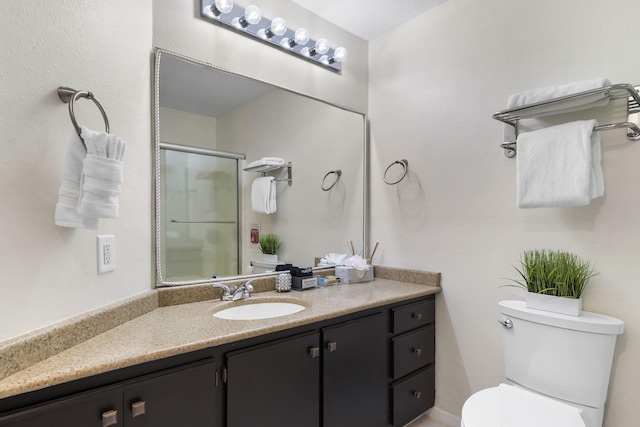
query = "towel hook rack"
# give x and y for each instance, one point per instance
(564, 103)
(405, 166)
(337, 173)
(69, 96)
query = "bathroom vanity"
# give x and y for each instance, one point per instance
(372, 366)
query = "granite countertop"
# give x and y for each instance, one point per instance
(171, 330)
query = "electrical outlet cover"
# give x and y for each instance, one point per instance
(106, 250)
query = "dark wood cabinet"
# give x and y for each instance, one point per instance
(413, 360)
(355, 373)
(275, 384)
(182, 396)
(96, 408)
(279, 384)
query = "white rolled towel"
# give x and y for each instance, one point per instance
(102, 174)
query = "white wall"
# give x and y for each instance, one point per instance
(431, 101)
(48, 272)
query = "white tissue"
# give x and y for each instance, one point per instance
(357, 262)
(331, 260)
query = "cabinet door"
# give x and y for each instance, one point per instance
(355, 373)
(276, 384)
(178, 397)
(98, 408)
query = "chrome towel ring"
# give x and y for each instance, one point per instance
(405, 166)
(337, 173)
(69, 96)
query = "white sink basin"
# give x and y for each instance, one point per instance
(259, 310)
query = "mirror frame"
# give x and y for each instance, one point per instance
(160, 282)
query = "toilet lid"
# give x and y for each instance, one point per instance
(508, 406)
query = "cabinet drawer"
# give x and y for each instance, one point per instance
(413, 316)
(413, 350)
(413, 396)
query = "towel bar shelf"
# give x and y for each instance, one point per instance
(511, 116)
(267, 168)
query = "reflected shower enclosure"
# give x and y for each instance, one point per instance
(199, 231)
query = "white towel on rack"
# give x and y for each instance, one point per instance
(263, 195)
(559, 166)
(102, 171)
(66, 214)
(544, 94)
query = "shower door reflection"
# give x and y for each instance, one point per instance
(199, 231)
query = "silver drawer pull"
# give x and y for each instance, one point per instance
(138, 408)
(314, 352)
(417, 316)
(332, 346)
(109, 418)
(417, 394)
(417, 351)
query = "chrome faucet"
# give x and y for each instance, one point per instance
(239, 292)
(242, 291)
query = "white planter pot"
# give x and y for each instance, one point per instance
(570, 306)
(270, 258)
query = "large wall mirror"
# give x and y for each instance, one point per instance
(210, 126)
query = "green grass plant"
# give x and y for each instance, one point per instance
(557, 273)
(269, 244)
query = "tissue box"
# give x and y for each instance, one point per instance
(350, 275)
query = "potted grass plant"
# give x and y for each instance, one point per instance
(554, 280)
(269, 245)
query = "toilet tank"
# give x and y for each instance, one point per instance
(564, 357)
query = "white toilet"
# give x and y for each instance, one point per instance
(557, 371)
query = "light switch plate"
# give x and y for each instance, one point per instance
(106, 253)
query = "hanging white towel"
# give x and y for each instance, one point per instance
(101, 174)
(66, 214)
(559, 166)
(263, 195)
(546, 93)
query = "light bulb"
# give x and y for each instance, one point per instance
(322, 46)
(223, 6)
(301, 36)
(252, 15)
(339, 55)
(278, 26)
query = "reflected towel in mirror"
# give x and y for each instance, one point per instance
(263, 195)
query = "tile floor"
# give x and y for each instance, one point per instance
(424, 421)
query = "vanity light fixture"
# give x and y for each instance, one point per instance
(275, 32)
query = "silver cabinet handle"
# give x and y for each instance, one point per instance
(417, 351)
(314, 352)
(138, 408)
(109, 418)
(332, 346)
(507, 323)
(417, 394)
(417, 316)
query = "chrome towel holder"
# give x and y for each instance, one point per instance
(69, 96)
(405, 166)
(617, 91)
(337, 173)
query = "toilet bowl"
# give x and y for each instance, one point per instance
(509, 406)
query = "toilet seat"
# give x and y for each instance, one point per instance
(508, 406)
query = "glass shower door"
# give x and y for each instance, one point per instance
(199, 231)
